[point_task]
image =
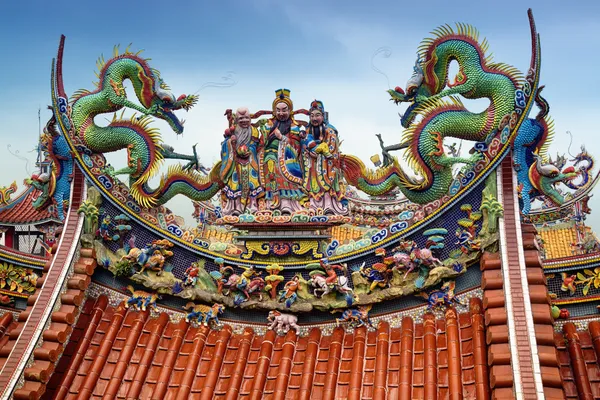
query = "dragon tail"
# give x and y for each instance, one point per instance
(435, 178)
(542, 104)
(194, 185)
(144, 153)
(376, 182)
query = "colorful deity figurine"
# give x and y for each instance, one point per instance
(152, 257)
(324, 280)
(379, 274)
(242, 285)
(191, 275)
(240, 166)
(466, 241)
(322, 177)
(222, 275)
(288, 294)
(105, 229)
(281, 169)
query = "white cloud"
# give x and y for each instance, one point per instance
(352, 92)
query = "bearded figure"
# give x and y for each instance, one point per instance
(240, 166)
(281, 170)
(322, 176)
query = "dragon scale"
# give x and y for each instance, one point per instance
(109, 97)
(434, 98)
(143, 143)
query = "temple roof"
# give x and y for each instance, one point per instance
(110, 351)
(21, 211)
(113, 351)
(558, 241)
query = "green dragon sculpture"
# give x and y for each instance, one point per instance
(145, 151)
(441, 111)
(543, 178)
(433, 97)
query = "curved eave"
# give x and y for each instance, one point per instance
(23, 259)
(21, 211)
(572, 262)
(32, 221)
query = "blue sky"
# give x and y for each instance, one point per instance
(317, 49)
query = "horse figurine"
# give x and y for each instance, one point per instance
(403, 260)
(249, 281)
(319, 282)
(221, 277)
(359, 315)
(417, 255)
(411, 257)
(203, 314)
(324, 279)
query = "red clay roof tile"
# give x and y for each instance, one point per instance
(5, 320)
(21, 211)
(578, 361)
(127, 354)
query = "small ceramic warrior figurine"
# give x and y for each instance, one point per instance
(322, 175)
(240, 166)
(288, 294)
(281, 170)
(191, 275)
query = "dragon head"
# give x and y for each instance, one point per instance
(415, 91)
(545, 177)
(164, 103)
(41, 182)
